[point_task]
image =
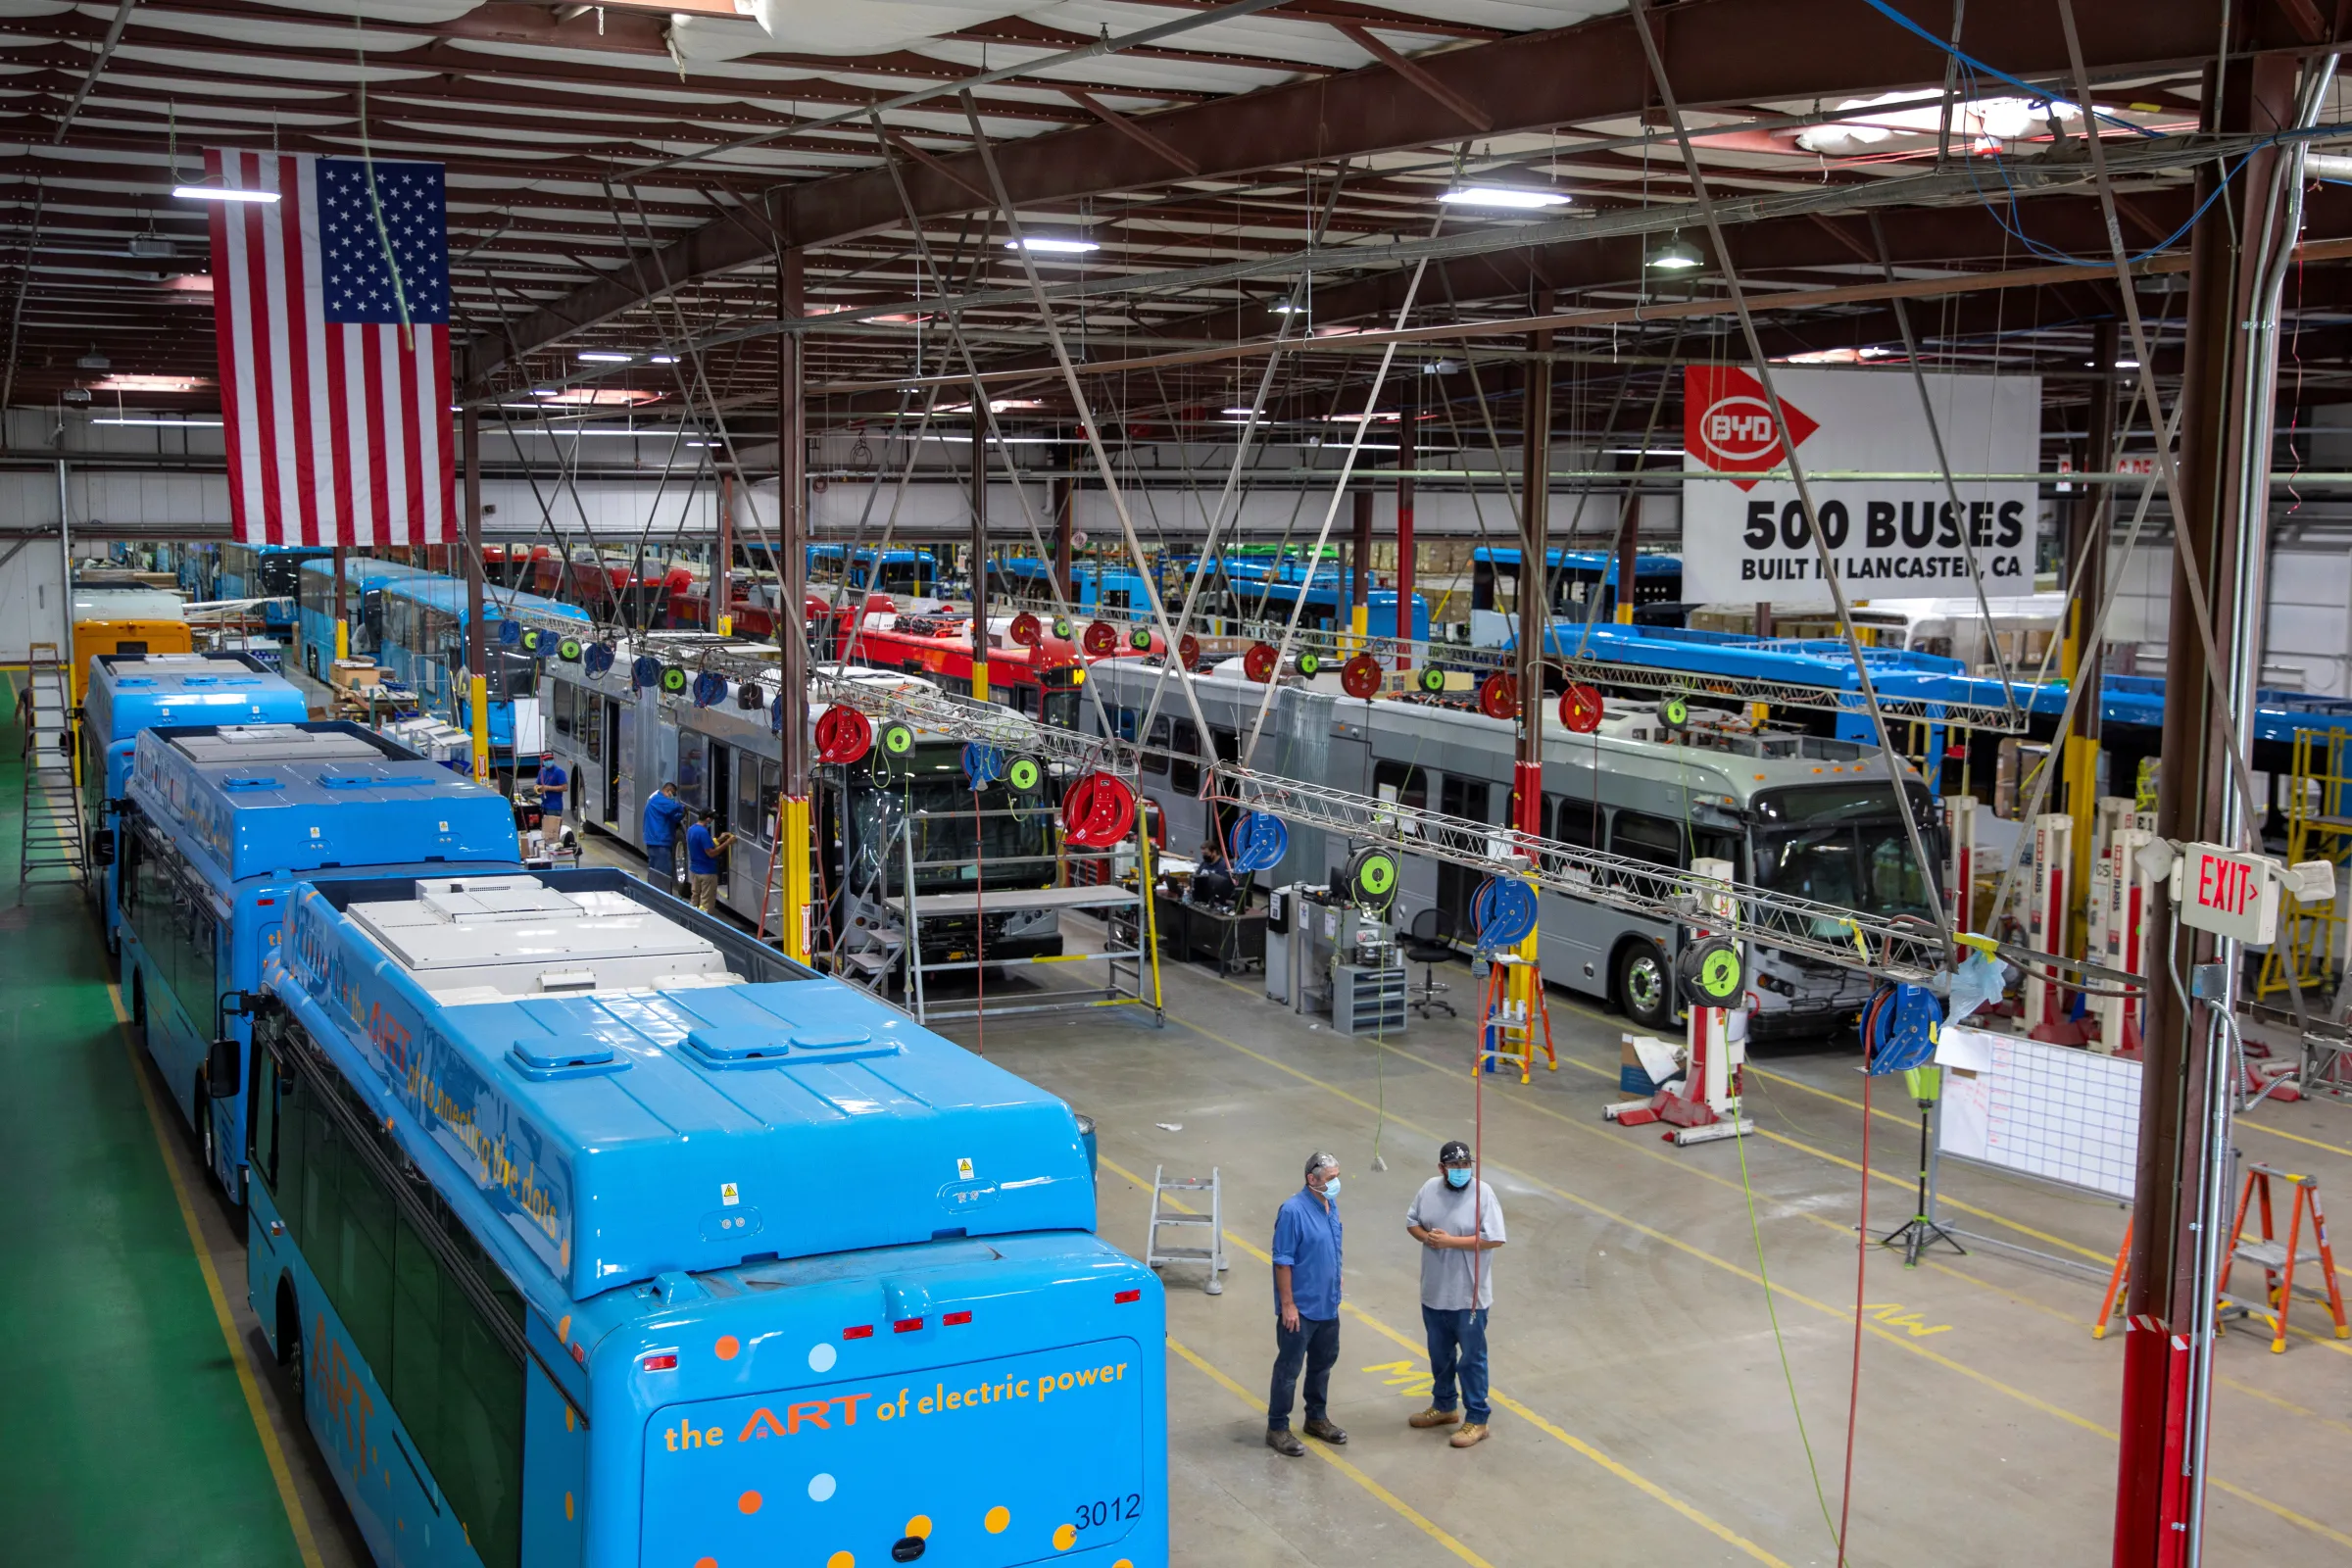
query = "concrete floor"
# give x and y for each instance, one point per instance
(1642, 1410)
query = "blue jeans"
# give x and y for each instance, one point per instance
(662, 866)
(1314, 1342)
(1457, 1345)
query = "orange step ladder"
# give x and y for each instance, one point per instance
(2277, 1259)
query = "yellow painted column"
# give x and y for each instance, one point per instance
(2082, 779)
(479, 697)
(342, 639)
(795, 841)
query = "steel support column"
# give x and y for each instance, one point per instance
(342, 608)
(477, 635)
(2156, 1482)
(2088, 525)
(979, 481)
(1065, 496)
(1534, 582)
(795, 837)
(1407, 566)
(1359, 568)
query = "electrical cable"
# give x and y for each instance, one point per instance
(1780, 1342)
(2039, 95)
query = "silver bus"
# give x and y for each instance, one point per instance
(1806, 814)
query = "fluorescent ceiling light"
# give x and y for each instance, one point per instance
(1503, 196)
(1057, 247)
(605, 356)
(221, 193)
(1244, 412)
(663, 359)
(198, 425)
(149, 383)
(1286, 304)
(1975, 120)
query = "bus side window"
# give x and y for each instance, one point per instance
(1155, 760)
(1185, 740)
(1576, 822)
(262, 1119)
(1639, 836)
(1401, 782)
(1124, 719)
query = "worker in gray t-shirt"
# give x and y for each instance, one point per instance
(1458, 1222)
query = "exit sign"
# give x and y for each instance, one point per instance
(2229, 894)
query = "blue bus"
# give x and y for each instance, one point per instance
(668, 1252)
(364, 577)
(422, 643)
(1028, 583)
(908, 574)
(222, 824)
(264, 572)
(130, 693)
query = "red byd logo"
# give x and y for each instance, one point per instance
(1728, 425)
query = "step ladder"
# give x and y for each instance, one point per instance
(2278, 1258)
(50, 838)
(1506, 1036)
(1167, 1211)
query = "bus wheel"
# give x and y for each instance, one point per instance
(1643, 989)
(201, 1103)
(139, 1004)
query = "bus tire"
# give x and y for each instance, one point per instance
(138, 1004)
(200, 1108)
(1644, 986)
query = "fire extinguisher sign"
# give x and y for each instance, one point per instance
(1746, 535)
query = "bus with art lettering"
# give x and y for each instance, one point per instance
(218, 828)
(596, 1233)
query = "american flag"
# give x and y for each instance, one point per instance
(331, 307)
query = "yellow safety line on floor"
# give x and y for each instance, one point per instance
(1906, 1183)
(1844, 1315)
(1624, 1473)
(1323, 1452)
(280, 1470)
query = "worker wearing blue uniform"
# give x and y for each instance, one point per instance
(553, 782)
(1306, 1302)
(664, 812)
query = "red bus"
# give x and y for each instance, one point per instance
(1041, 681)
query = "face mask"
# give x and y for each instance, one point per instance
(1458, 1177)
(1331, 1188)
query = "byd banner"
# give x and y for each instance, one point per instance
(1747, 539)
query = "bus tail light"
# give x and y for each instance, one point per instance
(862, 1331)
(955, 1318)
(665, 1362)
(1124, 1296)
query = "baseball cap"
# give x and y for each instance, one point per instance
(1456, 1152)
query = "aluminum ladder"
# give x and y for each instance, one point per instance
(50, 838)
(1166, 1210)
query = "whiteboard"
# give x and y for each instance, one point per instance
(2057, 1112)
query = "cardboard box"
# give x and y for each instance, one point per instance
(356, 675)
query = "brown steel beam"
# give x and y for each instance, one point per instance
(1121, 123)
(1421, 81)
(1729, 51)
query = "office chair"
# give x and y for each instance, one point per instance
(1428, 942)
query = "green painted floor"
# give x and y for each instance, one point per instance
(124, 1433)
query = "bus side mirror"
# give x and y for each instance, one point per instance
(102, 845)
(221, 1070)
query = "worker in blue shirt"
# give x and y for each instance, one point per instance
(1306, 1300)
(705, 849)
(553, 782)
(663, 812)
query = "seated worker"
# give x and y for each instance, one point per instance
(1213, 883)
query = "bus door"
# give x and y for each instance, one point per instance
(620, 760)
(1576, 935)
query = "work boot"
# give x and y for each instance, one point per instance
(1469, 1434)
(1324, 1430)
(1434, 1417)
(1285, 1441)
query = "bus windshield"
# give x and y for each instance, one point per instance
(949, 841)
(1844, 844)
